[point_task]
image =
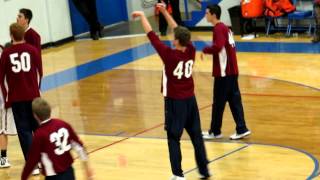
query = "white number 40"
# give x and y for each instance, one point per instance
(178, 71)
(20, 63)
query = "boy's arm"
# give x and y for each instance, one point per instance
(3, 76)
(33, 158)
(162, 8)
(160, 47)
(218, 44)
(38, 63)
(77, 145)
(144, 21)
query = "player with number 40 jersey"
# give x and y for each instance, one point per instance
(180, 104)
(177, 81)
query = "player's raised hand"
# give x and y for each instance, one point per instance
(136, 14)
(161, 6)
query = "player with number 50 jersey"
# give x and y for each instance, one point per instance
(20, 73)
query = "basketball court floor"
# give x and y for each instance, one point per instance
(109, 90)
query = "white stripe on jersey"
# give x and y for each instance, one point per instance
(38, 78)
(80, 150)
(223, 61)
(47, 163)
(164, 82)
(7, 88)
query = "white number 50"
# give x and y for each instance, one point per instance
(20, 63)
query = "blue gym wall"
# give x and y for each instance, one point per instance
(109, 12)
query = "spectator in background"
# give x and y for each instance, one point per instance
(88, 10)
(316, 9)
(30, 36)
(174, 4)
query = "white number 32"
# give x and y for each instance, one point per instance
(60, 139)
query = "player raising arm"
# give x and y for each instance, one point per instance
(181, 109)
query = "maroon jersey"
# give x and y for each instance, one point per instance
(223, 51)
(33, 38)
(20, 73)
(51, 145)
(177, 81)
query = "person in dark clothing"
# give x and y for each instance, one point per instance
(225, 72)
(175, 14)
(316, 11)
(20, 79)
(181, 109)
(88, 10)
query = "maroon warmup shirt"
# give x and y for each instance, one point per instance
(177, 81)
(20, 73)
(51, 145)
(33, 38)
(223, 50)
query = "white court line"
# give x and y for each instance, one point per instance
(114, 37)
(124, 36)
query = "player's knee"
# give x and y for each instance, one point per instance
(174, 134)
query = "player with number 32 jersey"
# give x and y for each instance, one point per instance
(52, 143)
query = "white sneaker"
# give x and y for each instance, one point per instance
(174, 177)
(236, 136)
(36, 172)
(207, 135)
(4, 162)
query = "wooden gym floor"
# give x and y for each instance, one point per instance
(109, 90)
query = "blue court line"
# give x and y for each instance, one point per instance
(284, 81)
(316, 162)
(269, 47)
(109, 62)
(94, 67)
(313, 174)
(220, 157)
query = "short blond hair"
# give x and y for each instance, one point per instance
(41, 108)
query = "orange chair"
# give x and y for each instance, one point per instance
(252, 8)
